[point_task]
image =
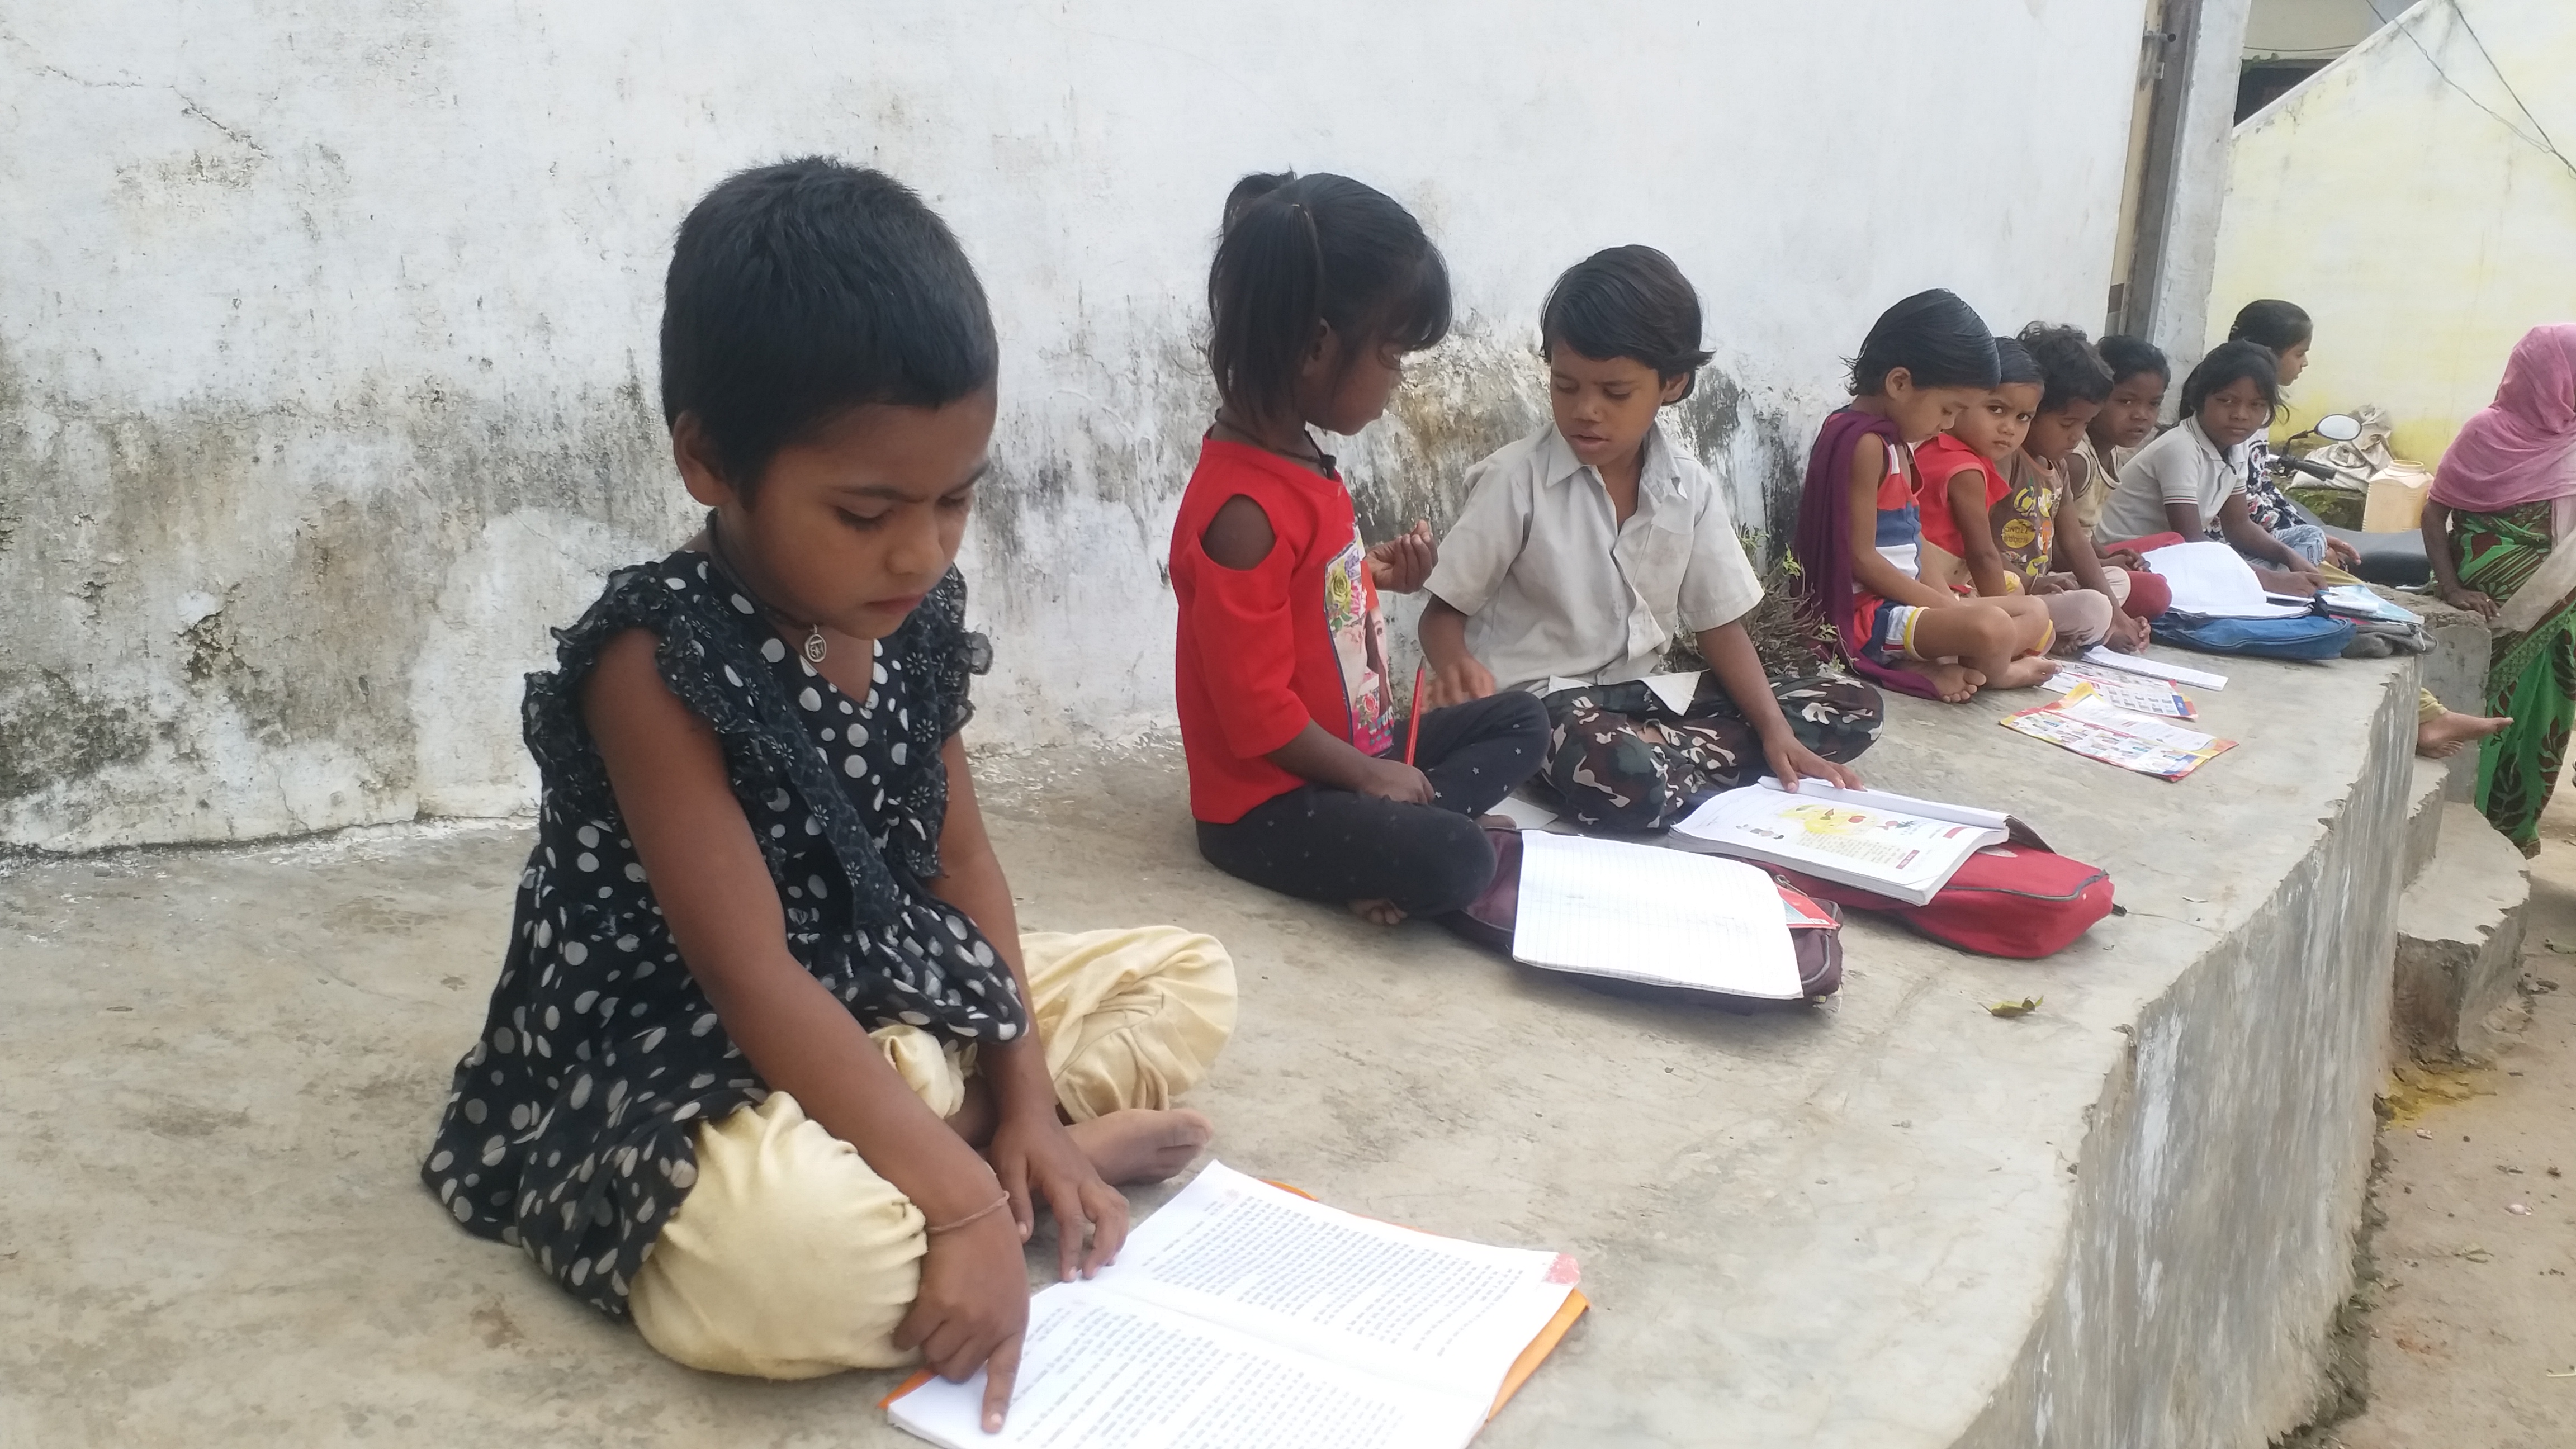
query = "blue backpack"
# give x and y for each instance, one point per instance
(2305, 636)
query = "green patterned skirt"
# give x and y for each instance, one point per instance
(2531, 676)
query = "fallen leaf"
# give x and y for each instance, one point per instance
(2475, 1254)
(2561, 947)
(2023, 1007)
(2570, 1374)
(2517, 1209)
(2197, 900)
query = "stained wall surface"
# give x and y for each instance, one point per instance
(327, 377)
(2418, 198)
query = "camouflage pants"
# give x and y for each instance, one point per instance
(1610, 774)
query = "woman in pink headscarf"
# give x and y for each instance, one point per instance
(2503, 498)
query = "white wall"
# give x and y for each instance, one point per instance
(2408, 197)
(326, 333)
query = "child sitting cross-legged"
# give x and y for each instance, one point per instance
(1966, 494)
(1320, 288)
(2191, 481)
(769, 1067)
(1586, 545)
(2121, 426)
(1926, 361)
(2036, 525)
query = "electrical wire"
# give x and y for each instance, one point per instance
(2544, 143)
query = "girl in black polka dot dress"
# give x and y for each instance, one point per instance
(769, 1066)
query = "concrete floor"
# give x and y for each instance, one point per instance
(1820, 1226)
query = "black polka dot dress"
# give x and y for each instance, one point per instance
(569, 1131)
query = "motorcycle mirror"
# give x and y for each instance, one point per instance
(2338, 427)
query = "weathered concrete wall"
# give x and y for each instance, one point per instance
(326, 336)
(2418, 197)
(2222, 1180)
(2185, 267)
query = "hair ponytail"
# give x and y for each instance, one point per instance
(1302, 252)
(1939, 340)
(2272, 323)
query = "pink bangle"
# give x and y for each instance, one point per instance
(976, 1216)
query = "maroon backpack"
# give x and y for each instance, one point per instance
(2013, 900)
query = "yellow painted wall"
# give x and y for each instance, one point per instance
(2422, 234)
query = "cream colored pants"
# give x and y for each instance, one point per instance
(791, 1258)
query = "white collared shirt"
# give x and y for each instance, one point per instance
(2183, 466)
(1554, 587)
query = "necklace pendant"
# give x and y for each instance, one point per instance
(815, 648)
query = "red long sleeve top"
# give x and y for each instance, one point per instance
(1263, 651)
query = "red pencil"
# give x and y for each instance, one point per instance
(1413, 725)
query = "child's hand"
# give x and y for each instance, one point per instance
(1463, 680)
(1792, 762)
(2471, 600)
(1035, 1156)
(2341, 554)
(2129, 633)
(2124, 558)
(973, 1307)
(2301, 582)
(1396, 780)
(1402, 563)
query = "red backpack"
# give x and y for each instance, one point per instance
(2007, 900)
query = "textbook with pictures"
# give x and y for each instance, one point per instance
(1247, 1316)
(2093, 727)
(1893, 845)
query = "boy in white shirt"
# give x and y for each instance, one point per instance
(1586, 546)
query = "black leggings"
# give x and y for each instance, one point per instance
(1325, 844)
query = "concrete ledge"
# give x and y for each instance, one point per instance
(2459, 940)
(1895, 1221)
(2428, 788)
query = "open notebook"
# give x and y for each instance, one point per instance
(1245, 1316)
(2212, 580)
(1892, 844)
(1644, 913)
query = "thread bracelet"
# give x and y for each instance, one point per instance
(976, 1216)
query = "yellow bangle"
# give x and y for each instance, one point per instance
(976, 1216)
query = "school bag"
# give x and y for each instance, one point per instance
(2014, 900)
(2305, 636)
(1815, 932)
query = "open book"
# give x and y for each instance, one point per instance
(2090, 725)
(1894, 845)
(2142, 693)
(1244, 1316)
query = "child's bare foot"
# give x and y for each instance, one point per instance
(1955, 683)
(1378, 913)
(2024, 672)
(1141, 1145)
(2441, 737)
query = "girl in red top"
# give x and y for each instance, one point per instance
(1297, 778)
